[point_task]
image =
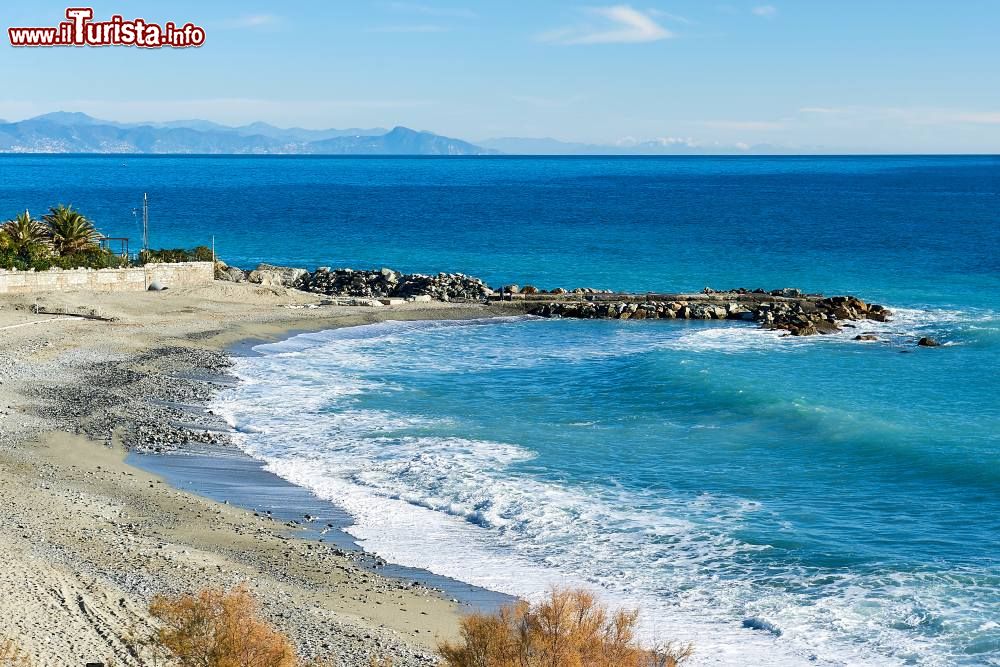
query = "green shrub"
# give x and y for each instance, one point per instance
(173, 255)
(9, 260)
(41, 260)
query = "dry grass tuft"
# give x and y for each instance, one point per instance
(218, 629)
(214, 628)
(11, 654)
(568, 629)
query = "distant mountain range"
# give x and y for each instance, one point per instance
(74, 132)
(65, 132)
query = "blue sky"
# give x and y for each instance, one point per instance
(838, 75)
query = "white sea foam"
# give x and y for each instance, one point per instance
(457, 506)
(905, 325)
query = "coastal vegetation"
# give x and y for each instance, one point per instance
(11, 655)
(569, 628)
(217, 628)
(69, 231)
(214, 628)
(63, 238)
(172, 255)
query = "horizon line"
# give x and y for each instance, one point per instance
(4, 154)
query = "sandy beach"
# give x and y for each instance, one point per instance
(89, 539)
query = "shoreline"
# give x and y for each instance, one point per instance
(235, 478)
(93, 538)
(86, 400)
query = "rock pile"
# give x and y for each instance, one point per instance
(380, 284)
(276, 276)
(386, 283)
(805, 318)
(229, 273)
(531, 290)
(800, 316)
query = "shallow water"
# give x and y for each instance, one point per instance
(842, 493)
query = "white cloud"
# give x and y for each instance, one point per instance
(674, 142)
(621, 24)
(253, 21)
(667, 16)
(908, 115)
(978, 117)
(411, 28)
(426, 10)
(767, 11)
(821, 110)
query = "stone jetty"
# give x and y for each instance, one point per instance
(788, 309)
(362, 284)
(799, 314)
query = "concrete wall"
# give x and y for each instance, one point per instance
(183, 274)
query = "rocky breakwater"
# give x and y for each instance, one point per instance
(386, 283)
(788, 309)
(361, 284)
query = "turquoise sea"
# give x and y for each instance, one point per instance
(814, 501)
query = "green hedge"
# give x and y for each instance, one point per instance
(42, 261)
(173, 255)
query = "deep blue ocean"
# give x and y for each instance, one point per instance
(782, 502)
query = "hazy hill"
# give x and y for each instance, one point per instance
(74, 132)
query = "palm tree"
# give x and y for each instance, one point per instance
(70, 231)
(23, 234)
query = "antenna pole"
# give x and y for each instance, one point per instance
(145, 223)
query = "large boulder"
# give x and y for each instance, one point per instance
(276, 276)
(229, 273)
(825, 327)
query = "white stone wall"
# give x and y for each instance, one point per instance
(183, 274)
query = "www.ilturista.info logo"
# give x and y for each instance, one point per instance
(81, 30)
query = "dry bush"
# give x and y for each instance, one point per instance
(671, 654)
(568, 629)
(219, 629)
(11, 654)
